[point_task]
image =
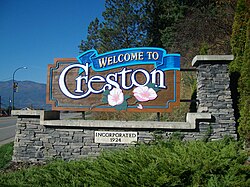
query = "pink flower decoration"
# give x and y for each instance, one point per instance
(143, 93)
(115, 97)
(140, 106)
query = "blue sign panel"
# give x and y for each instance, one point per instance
(130, 56)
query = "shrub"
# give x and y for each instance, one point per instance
(240, 42)
(171, 163)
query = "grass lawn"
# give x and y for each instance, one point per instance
(5, 154)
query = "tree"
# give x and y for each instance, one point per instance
(155, 20)
(93, 38)
(123, 27)
(198, 24)
(238, 39)
(240, 43)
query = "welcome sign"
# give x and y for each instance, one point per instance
(143, 79)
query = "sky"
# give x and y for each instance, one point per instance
(34, 32)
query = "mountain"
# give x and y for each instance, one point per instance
(30, 94)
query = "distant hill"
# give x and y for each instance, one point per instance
(30, 94)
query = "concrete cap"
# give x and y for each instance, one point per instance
(192, 117)
(213, 59)
(26, 112)
(44, 115)
(118, 124)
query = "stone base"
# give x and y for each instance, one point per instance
(41, 136)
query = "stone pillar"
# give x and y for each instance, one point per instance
(213, 92)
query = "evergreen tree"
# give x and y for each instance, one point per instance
(173, 12)
(123, 27)
(155, 24)
(124, 24)
(238, 39)
(93, 38)
(240, 46)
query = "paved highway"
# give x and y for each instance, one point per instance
(7, 129)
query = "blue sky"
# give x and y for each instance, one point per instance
(34, 32)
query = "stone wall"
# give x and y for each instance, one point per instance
(213, 93)
(38, 140)
(42, 136)
(35, 142)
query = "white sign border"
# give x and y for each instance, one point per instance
(116, 137)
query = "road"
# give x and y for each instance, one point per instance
(7, 129)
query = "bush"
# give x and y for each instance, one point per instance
(240, 42)
(172, 163)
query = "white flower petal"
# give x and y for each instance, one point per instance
(143, 93)
(115, 97)
(152, 94)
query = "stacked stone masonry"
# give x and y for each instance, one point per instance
(214, 95)
(39, 143)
